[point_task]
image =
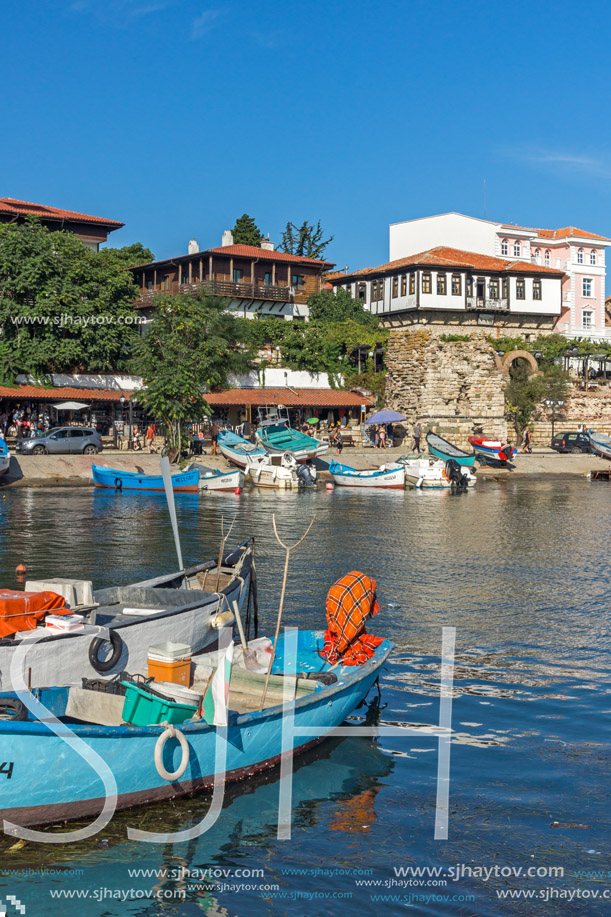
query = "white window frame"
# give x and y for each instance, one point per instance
(593, 256)
(517, 249)
(504, 247)
(587, 319)
(548, 258)
(587, 284)
(580, 256)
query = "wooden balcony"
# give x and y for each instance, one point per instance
(485, 304)
(251, 291)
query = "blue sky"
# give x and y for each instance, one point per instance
(176, 116)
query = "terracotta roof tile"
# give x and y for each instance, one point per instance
(251, 251)
(299, 397)
(558, 233)
(442, 256)
(25, 208)
(65, 393)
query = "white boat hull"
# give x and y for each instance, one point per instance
(221, 482)
(5, 462)
(391, 478)
(422, 473)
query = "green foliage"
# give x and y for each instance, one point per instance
(551, 346)
(189, 345)
(522, 394)
(305, 240)
(62, 306)
(454, 338)
(339, 306)
(246, 232)
(555, 385)
(128, 256)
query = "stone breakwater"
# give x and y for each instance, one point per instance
(452, 387)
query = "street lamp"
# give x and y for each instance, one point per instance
(553, 403)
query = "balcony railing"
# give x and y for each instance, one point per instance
(486, 304)
(225, 288)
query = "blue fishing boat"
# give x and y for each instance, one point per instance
(275, 434)
(117, 479)
(5, 456)
(236, 449)
(442, 449)
(150, 763)
(492, 450)
(600, 444)
(391, 476)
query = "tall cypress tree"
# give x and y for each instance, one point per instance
(246, 232)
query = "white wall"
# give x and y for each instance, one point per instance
(451, 229)
(275, 378)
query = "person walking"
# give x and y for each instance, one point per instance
(527, 440)
(150, 436)
(338, 439)
(417, 437)
(214, 432)
(382, 435)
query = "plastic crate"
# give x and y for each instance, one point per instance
(145, 708)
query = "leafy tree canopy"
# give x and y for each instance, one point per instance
(339, 306)
(189, 345)
(128, 256)
(246, 232)
(62, 306)
(306, 240)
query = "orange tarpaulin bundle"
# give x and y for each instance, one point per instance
(23, 610)
(350, 601)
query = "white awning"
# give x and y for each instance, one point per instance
(70, 406)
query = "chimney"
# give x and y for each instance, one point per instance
(267, 245)
(193, 247)
(227, 238)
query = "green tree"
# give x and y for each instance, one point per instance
(128, 256)
(339, 306)
(522, 394)
(306, 240)
(190, 345)
(246, 232)
(62, 306)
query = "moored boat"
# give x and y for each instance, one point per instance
(181, 606)
(391, 476)
(215, 479)
(236, 449)
(151, 763)
(5, 456)
(276, 435)
(117, 479)
(428, 473)
(492, 449)
(442, 449)
(280, 471)
(600, 443)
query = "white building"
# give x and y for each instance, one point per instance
(449, 287)
(579, 254)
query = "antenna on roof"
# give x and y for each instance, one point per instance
(346, 269)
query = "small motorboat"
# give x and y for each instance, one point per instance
(600, 443)
(431, 473)
(236, 449)
(215, 479)
(390, 476)
(119, 623)
(5, 456)
(280, 471)
(492, 449)
(442, 449)
(150, 763)
(276, 435)
(117, 479)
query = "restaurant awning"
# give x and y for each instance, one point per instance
(289, 397)
(70, 406)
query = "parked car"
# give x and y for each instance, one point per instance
(571, 442)
(62, 440)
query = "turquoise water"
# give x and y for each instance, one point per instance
(519, 568)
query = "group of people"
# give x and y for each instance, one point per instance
(21, 424)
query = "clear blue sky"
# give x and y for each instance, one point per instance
(176, 116)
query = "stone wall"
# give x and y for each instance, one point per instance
(452, 387)
(591, 409)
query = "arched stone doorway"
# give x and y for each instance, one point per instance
(514, 355)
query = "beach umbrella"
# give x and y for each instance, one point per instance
(313, 420)
(70, 406)
(385, 417)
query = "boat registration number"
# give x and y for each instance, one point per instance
(7, 769)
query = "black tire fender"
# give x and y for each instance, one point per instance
(11, 708)
(107, 664)
(118, 484)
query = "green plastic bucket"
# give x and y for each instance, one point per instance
(141, 708)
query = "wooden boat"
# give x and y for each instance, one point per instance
(442, 449)
(276, 435)
(279, 471)
(236, 449)
(181, 607)
(428, 473)
(253, 742)
(117, 479)
(391, 476)
(215, 479)
(492, 449)
(600, 443)
(5, 456)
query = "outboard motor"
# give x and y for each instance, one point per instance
(457, 479)
(307, 475)
(506, 451)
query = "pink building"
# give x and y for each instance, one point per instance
(580, 254)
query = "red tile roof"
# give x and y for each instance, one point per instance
(25, 208)
(299, 397)
(559, 233)
(240, 251)
(63, 393)
(442, 256)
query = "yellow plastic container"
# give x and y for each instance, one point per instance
(178, 672)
